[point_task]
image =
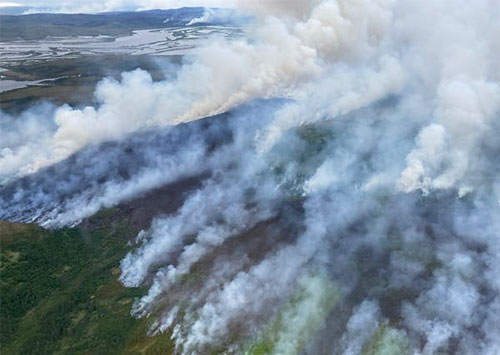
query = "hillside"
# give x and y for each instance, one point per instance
(38, 26)
(60, 292)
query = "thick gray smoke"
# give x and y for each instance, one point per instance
(106, 174)
(361, 216)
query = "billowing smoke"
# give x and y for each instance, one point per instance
(106, 174)
(220, 16)
(360, 215)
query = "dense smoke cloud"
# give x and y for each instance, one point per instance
(204, 87)
(360, 216)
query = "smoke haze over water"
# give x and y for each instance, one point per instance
(360, 215)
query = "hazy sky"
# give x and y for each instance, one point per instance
(112, 5)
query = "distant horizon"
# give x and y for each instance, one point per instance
(25, 10)
(93, 6)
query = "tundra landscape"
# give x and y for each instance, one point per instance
(276, 177)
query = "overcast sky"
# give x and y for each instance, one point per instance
(113, 5)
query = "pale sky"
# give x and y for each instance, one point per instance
(113, 5)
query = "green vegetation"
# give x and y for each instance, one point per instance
(304, 153)
(300, 317)
(387, 341)
(60, 293)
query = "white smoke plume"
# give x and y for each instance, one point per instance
(359, 216)
(219, 16)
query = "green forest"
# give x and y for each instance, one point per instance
(60, 292)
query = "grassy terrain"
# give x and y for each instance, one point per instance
(60, 294)
(79, 78)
